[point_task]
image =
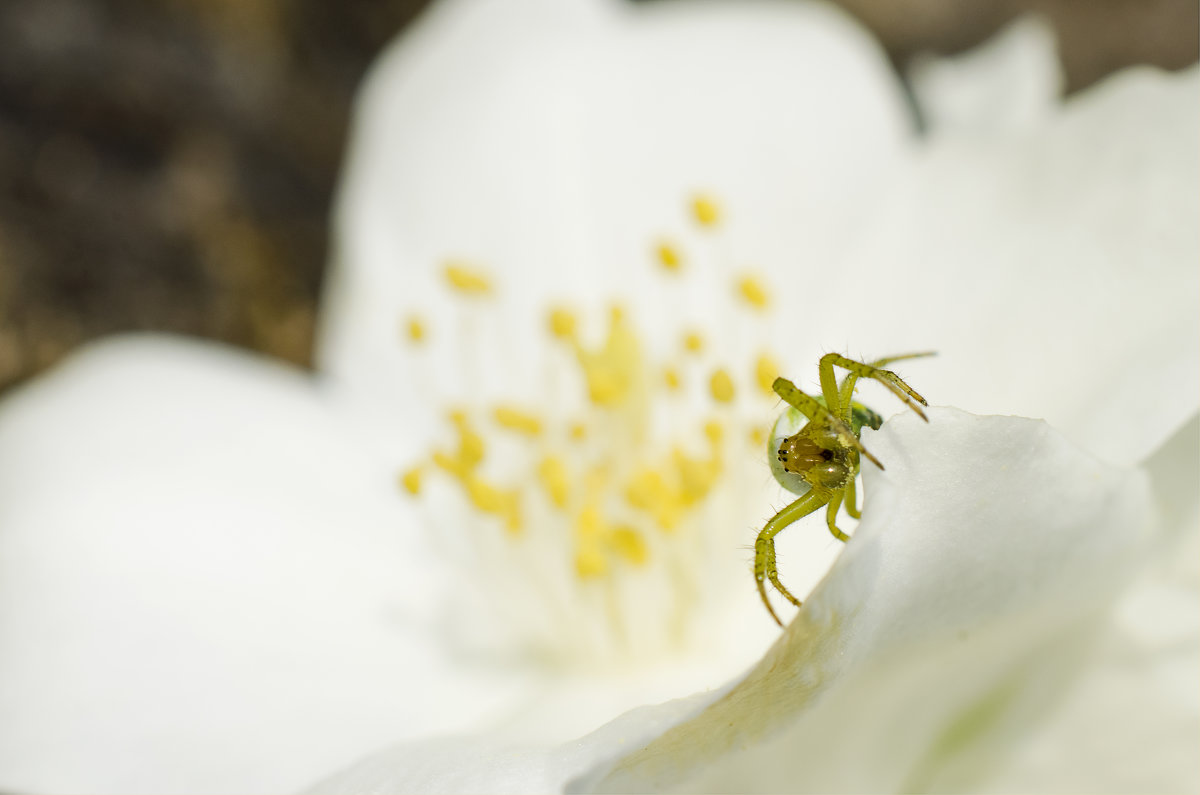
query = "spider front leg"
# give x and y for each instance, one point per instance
(886, 377)
(764, 547)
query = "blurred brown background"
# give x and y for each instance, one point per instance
(169, 164)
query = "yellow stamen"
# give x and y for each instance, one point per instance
(705, 210)
(590, 529)
(553, 474)
(714, 431)
(516, 420)
(758, 436)
(671, 378)
(668, 257)
(693, 342)
(648, 491)
(578, 431)
(590, 562)
(470, 444)
(754, 292)
(411, 480)
(451, 464)
(697, 476)
(721, 386)
(562, 323)
(466, 280)
(766, 370)
(628, 544)
(612, 372)
(496, 501)
(414, 328)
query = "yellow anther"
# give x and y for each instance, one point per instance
(553, 474)
(590, 529)
(714, 430)
(451, 464)
(754, 292)
(668, 257)
(467, 280)
(766, 370)
(705, 210)
(671, 378)
(484, 496)
(470, 447)
(516, 420)
(646, 488)
(693, 342)
(721, 386)
(612, 372)
(758, 436)
(629, 545)
(496, 501)
(697, 476)
(578, 431)
(648, 491)
(590, 562)
(414, 328)
(562, 323)
(411, 481)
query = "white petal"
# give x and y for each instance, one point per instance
(1132, 722)
(1054, 272)
(988, 554)
(555, 157)
(1005, 86)
(203, 585)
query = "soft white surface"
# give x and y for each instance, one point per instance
(969, 594)
(207, 584)
(1054, 270)
(203, 587)
(557, 155)
(1131, 723)
(1007, 85)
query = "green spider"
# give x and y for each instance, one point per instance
(820, 461)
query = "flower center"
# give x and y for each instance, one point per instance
(606, 518)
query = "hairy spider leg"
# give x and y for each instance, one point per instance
(764, 547)
(850, 381)
(809, 407)
(901, 390)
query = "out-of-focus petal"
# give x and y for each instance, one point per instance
(1054, 271)
(556, 158)
(1007, 85)
(967, 597)
(1132, 721)
(202, 583)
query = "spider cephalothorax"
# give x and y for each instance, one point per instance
(820, 461)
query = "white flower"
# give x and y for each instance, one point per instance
(205, 559)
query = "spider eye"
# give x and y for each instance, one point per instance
(788, 424)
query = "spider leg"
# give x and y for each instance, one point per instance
(852, 501)
(831, 517)
(764, 548)
(893, 382)
(809, 407)
(846, 390)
